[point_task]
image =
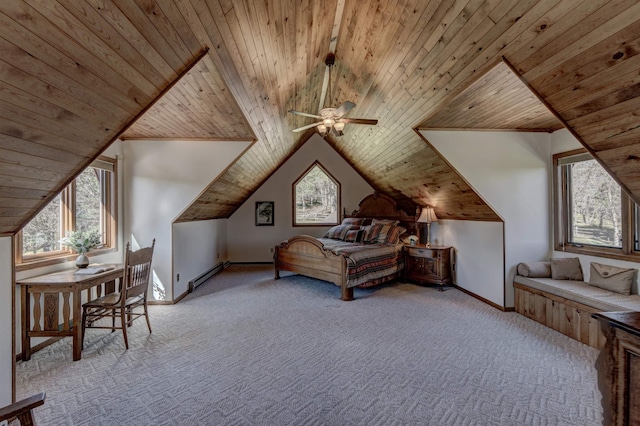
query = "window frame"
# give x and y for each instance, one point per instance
(338, 198)
(108, 218)
(561, 222)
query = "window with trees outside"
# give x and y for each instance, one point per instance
(87, 204)
(316, 198)
(593, 215)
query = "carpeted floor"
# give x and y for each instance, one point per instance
(244, 349)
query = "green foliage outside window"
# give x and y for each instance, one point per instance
(316, 198)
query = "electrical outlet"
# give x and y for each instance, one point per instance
(178, 278)
(218, 254)
(271, 249)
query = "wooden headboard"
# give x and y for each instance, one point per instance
(380, 206)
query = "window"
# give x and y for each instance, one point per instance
(316, 198)
(593, 215)
(87, 204)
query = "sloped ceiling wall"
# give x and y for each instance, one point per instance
(75, 74)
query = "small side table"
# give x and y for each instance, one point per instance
(428, 265)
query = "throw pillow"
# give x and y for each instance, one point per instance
(339, 231)
(535, 269)
(612, 278)
(353, 235)
(566, 269)
(372, 232)
(392, 236)
(357, 221)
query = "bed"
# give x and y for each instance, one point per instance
(348, 263)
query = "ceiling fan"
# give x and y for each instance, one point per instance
(332, 119)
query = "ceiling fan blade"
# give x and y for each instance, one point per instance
(308, 126)
(360, 121)
(304, 113)
(344, 108)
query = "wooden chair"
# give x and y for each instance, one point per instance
(22, 410)
(122, 304)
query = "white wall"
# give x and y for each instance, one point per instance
(250, 243)
(161, 179)
(6, 336)
(478, 255)
(210, 237)
(510, 171)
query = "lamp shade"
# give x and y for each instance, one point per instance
(427, 215)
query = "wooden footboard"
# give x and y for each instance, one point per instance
(307, 256)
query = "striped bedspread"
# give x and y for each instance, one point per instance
(368, 264)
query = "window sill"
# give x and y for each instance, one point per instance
(610, 253)
(54, 260)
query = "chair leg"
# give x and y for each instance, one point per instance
(123, 323)
(82, 329)
(113, 320)
(146, 316)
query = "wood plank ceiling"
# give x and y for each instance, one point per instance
(75, 74)
(498, 100)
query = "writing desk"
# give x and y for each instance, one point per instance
(46, 291)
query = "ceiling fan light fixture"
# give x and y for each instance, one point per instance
(339, 126)
(322, 129)
(329, 122)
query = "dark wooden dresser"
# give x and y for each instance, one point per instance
(618, 367)
(428, 265)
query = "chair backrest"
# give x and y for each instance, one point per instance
(137, 269)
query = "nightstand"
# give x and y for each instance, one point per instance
(428, 265)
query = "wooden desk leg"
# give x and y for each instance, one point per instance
(77, 327)
(25, 310)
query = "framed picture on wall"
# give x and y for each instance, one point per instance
(264, 213)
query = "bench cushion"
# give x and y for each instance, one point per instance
(580, 292)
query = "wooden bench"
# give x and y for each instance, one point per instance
(567, 306)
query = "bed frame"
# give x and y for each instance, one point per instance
(305, 255)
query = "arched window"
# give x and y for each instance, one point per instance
(316, 198)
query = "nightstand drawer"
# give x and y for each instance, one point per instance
(422, 252)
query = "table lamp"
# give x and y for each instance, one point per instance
(428, 215)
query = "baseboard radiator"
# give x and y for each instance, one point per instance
(206, 275)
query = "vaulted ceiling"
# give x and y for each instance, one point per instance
(75, 75)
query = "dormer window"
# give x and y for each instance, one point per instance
(86, 204)
(316, 198)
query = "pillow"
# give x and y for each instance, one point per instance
(566, 269)
(353, 221)
(353, 235)
(384, 222)
(372, 232)
(535, 269)
(392, 236)
(339, 231)
(611, 278)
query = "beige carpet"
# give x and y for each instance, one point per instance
(244, 349)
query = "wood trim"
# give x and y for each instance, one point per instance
(13, 321)
(561, 227)
(482, 299)
(293, 196)
(187, 139)
(61, 259)
(467, 129)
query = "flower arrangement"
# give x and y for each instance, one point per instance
(81, 241)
